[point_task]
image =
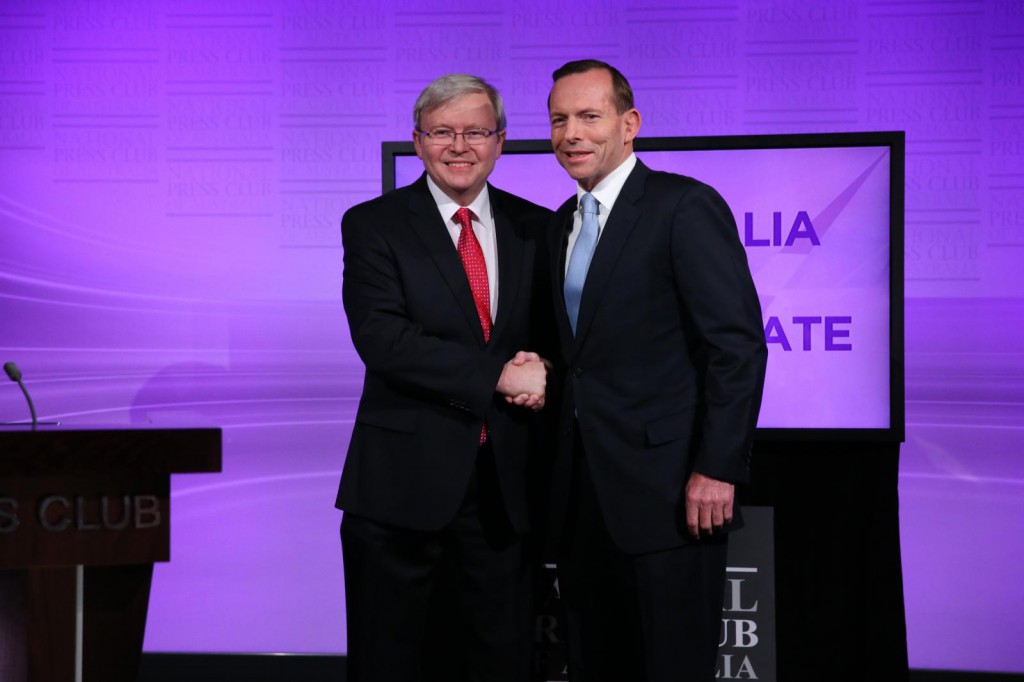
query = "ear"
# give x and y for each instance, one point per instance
(632, 122)
(416, 142)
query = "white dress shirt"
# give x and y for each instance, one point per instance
(606, 192)
(483, 228)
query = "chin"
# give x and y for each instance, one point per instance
(573, 172)
(577, 171)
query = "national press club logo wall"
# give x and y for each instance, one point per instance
(746, 645)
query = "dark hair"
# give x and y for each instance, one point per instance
(447, 88)
(622, 94)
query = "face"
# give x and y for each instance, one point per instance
(460, 170)
(589, 136)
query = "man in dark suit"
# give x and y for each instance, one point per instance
(440, 283)
(664, 356)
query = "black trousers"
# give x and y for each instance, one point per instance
(452, 604)
(647, 618)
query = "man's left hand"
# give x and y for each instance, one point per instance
(708, 504)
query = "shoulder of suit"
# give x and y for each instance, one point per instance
(664, 178)
(516, 206)
(395, 201)
(662, 182)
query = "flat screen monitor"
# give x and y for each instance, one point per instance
(821, 219)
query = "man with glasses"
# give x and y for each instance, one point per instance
(440, 287)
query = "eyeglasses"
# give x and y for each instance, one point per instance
(442, 137)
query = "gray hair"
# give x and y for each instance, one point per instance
(447, 88)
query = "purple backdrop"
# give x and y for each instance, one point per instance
(173, 176)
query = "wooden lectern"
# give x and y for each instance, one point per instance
(84, 513)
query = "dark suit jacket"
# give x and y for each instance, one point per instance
(430, 378)
(665, 373)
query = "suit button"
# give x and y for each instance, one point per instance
(577, 372)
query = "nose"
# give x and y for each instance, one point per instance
(570, 129)
(459, 144)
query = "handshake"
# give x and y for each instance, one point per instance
(524, 379)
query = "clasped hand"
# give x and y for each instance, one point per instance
(524, 379)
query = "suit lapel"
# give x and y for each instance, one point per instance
(426, 222)
(510, 262)
(617, 229)
(558, 240)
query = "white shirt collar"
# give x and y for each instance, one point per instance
(480, 207)
(607, 191)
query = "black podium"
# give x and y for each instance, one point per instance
(84, 514)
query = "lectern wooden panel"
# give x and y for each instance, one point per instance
(84, 513)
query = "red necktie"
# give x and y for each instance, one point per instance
(476, 270)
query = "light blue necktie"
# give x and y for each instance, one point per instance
(579, 260)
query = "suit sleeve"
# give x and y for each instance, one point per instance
(395, 347)
(717, 292)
